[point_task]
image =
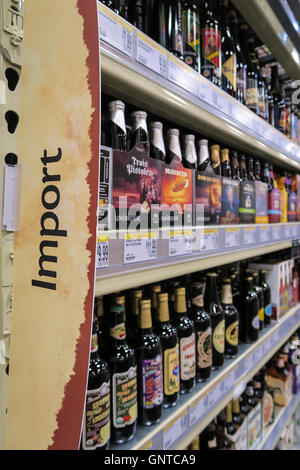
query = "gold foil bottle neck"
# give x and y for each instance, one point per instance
(155, 291)
(120, 300)
(225, 155)
(215, 155)
(180, 300)
(100, 307)
(137, 295)
(145, 314)
(163, 308)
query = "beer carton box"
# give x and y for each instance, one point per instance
(261, 203)
(284, 200)
(247, 208)
(292, 207)
(230, 201)
(176, 195)
(131, 183)
(274, 206)
(254, 426)
(280, 284)
(283, 389)
(298, 208)
(208, 199)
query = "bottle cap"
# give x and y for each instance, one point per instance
(139, 115)
(156, 125)
(117, 104)
(172, 132)
(189, 137)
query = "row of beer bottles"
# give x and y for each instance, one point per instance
(195, 153)
(210, 37)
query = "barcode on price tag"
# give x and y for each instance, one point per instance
(249, 236)
(209, 240)
(197, 410)
(140, 247)
(114, 30)
(175, 430)
(150, 54)
(180, 243)
(102, 253)
(232, 237)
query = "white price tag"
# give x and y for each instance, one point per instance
(276, 232)
(232, 237)
(102, 253)
(287, 231)
(114, 30)
(293, 230)
(197, 410)
(150, 54)
(175, 430)
(180, 243)
(209, 240)
(140, 247)
(183, 75)
(249, 236)
(239, 389)
(265, 234)
(205, 91)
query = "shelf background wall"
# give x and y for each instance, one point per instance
(59, 138)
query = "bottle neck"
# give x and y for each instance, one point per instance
(190, 154)
(203, 153)
(180, 303)
(117, 117)
(211, 292)
(145, 317)
(229, 413)
(226, 295)
(236, 407)
(156, 138)
(173, 145)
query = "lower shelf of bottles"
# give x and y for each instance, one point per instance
(141, 258)
(194, 411)
(282, 415)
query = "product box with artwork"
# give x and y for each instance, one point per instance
(247, 202)
(230, 201)
(208, 199)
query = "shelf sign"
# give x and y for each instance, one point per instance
(175, 430)
(55, 247)
(249, 236)
(115, 31)
(209, 240)
(140, 247)
(232, 237)
(102, 255)
(180, 242)
(150, 54)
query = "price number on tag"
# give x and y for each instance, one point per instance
(127, 41)
(175, 431)
(151, 248)
(102, 254)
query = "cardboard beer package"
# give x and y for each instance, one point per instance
(208, 198)
(247, 202)
(230, 201)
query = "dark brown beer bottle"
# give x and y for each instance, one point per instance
(139, 132)
(173, 146)
(226, 168)
(136, 13)
(231, 320)
(243, 168)
(241, 72)
(123, 372)
(257, 170)
(230, 425)
(237, 417)
(211, 64)
(267, 296)
(215, 159)
(192, 34)
(170, 352)
(202, 324)
(229, 59)
(186, 334)
(203, 156)
(150, 374)
(249, 313)
(250, 169)
(260, 295)
(189, 157)
(132, 322)
(175, 28)
(117, 134)
(157, 144)
(96, 423)
(252, 78)
(214, 308)
(235, 169)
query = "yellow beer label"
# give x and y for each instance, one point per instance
(171, 370)
(232, 334)
(118, 331)
(219, 337)
(229, 70)
(261, 314)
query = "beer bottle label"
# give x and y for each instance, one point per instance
(198, 301)
(211, 48)
(152, 382)
(124, 396)
(118, 331)
(94, 343)
(261, 314)
(268, 310)
(171, 371)
(229, 70)
(251, 94)
(232, 334)
(187, 358)
(96, 429)
(219, 337)
(255, 322)
(191, 22)
(204, 349)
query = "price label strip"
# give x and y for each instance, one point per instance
(175, 430)
(287, 231)
(276, 232)
(249, 236)
(147, 446)
(140, 247)
(205, 90)
(232, 237)
(150, 54)
(209, 240)
(197, 410)
(114, 30)
(102, 254)
(182, 75)
(180, 243)
(265, 234)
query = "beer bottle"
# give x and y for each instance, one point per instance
(229, 59)
(257, 170)
(101, 328)
(258, 392)
(266, 174)
(139, 132)
(123, 9)
(260, 295)
(202, 326)
(211, 65)
(96, 424)
(261, 86)
(243, 168)
(252, 78)
(173, 146)
(241, 71)
(150, 374)
(223, 442)
(214, 308)
(112, 4)
(226, 168)
(157, 144)
(250, 397)
(133, 318)
(230, 425)
(208, 438)
(203, 156)
(237, 418)
(189, 159)
(171, 287)
(162, 22)
(235, 169)
(279, 102)
(231, 320)
(117, 134)
(250, 169)
(249, 313)
(244, 406)
(192, 34)
(186, 335)
(136, 13)
(170, 352)
(123, 371)
(175, 28)
(155, 290)
(215, 159)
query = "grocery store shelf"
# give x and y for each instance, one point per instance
(270, 30)
(180, 425)
(177, 93)
(224, 245)
(282, 416)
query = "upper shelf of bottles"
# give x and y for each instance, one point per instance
(141, 72)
